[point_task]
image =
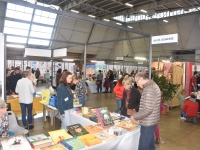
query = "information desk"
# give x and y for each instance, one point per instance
(128, 141)
(93, 87)
(15, 106)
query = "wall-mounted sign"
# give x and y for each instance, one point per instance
(140, 63)
(120, 58)
(37, 52)
(60, 52)
(165, 39)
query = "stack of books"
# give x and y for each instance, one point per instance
(77, 130)
(90, 139)
(59, 135)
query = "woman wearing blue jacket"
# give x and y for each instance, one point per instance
(65, 98)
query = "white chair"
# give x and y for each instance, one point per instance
(13, 125)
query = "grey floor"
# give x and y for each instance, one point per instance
(177, 134)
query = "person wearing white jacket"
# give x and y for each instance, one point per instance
(25, 90)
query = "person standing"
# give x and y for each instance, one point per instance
(99, 82)
(106, 83)
(194, 82)
(65, 98)
(14, 77)
(8, 90)
(111, 78)
(25, 90)
(58, 76)
(32, 77)
(47, 77)
(131, 98)
(118, 90)
(37, 74)
(4, 123)
(149, 111)
(81, 89)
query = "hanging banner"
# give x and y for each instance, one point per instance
(90, 70)
(164, 39)
(101, 67)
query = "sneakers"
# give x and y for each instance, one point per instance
(26, 128)
(158, 141)
(31, 127)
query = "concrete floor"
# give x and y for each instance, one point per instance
(177, 134)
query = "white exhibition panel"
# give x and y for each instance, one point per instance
(165, 39)
(60, 52)
(93, 87)
(2, 65)
(128, 141)
(37, 52)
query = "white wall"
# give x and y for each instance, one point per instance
(2, 65)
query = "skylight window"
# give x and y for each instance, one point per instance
(19, 12)
(16, 39)
(41, 31)
(38, 42)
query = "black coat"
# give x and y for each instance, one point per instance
(134, 101)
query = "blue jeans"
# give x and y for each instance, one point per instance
(118, 101)
(111, 85)
(30, 116)
(99, 86)
(183, 114)
(47, 82)
(147, 138)
(82, 100)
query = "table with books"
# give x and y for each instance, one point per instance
(93, 87)
(109, 131)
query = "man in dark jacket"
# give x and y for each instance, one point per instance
(14, 77)
(111, 78)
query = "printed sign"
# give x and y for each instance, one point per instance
(165, 39)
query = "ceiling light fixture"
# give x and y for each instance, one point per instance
(130, 27)
(93, 61)
(106, 20)
(127, 4)
(118, 23)
(75, 11)
(140, 58)
(165, 20)
(142, 10)
(92, 16)
(68, 60)
(165, 61)
(15, 46)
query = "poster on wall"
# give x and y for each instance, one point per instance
(33, 65)
(90, 70)
(101, 67)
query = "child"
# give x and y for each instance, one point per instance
(181, 97)
(106, 83)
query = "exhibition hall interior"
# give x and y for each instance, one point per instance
(99, 74)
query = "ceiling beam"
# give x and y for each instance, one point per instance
(61, 2)
(74, 4)
(76, 16)
(100, 2)
(122, 4)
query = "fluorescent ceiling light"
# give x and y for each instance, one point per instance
(75, 11)
(165, 20)
(92, 16)
(130, 27)
(106, 20)
(93, 61)
(140, 58)
(68, 60)
(142, 10)
(165, 61)
(127, 4)
(118, 23)
(15, 46)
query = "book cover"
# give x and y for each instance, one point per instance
(76, 130)
(104, 117)
(127, 125)
(59, 135)
(105, 136)
(93, 129)
(39, 141)
(54, 147)
(90, 139)
(74, 143)
(18, 142)
(115, 130)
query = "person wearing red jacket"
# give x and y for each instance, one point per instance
(119, 90)
(190, 109)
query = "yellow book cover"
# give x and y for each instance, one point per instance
(55, 147)
(93, 129)
(59, 135)
(90, 139)
(105, 136)
(127, 125)
(45, 96)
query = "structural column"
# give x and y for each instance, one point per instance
(150, 56)
(85, 53)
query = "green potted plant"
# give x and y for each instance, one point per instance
(167, 88)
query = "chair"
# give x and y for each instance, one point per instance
(13, 125)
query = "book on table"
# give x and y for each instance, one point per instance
(77, 130)
(39, 141)
(59, 135)
(90, 139)
(18, 142)
(104, 117)
(127, 125)
(54, 147)
(105, 136)
(74, 143)
(93, 129)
